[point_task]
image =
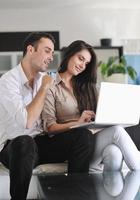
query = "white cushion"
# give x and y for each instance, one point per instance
(52, 168)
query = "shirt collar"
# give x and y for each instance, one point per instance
(58, 79)
(24, 79)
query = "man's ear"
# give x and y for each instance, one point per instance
(30, 48)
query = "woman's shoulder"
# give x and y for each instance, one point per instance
(53, 88)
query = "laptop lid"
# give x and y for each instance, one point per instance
(118, 104)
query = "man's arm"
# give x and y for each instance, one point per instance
(34, 108)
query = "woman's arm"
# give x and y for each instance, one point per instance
(86, 116)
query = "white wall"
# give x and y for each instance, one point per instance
(75, 21)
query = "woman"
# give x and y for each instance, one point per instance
(72, 100)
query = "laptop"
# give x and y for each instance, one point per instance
(118, 104)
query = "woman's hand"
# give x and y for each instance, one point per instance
(86, 116)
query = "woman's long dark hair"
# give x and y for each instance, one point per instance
(84, 84)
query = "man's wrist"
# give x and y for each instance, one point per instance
(44, 88)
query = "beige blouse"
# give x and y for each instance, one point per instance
(60, 105)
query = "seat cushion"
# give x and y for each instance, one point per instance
(52, 168)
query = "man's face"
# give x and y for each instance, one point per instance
(42, 55)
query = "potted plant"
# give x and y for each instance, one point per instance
(117, 70)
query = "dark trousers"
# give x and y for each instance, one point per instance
(23, 153)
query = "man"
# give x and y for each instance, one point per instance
(22, 95)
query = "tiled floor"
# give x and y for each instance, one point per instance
(97, 186)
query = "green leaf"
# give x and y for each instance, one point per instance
(123, 61)
(131, 72)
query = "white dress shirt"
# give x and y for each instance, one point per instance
(15, 94)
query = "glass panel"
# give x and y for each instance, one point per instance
(5, 62)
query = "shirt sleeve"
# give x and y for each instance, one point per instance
(12, 105)
(49, 111)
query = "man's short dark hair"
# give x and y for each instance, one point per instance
(33, 39)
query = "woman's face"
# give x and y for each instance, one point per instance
(78, 62)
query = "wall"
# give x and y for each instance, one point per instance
(74, 21)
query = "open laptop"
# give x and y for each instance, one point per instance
(118, 104)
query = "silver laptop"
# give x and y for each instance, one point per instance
(118, 104)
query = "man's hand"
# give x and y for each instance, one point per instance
(46, 81)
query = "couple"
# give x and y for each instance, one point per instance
(68, 100)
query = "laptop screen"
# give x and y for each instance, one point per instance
(118, 104)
